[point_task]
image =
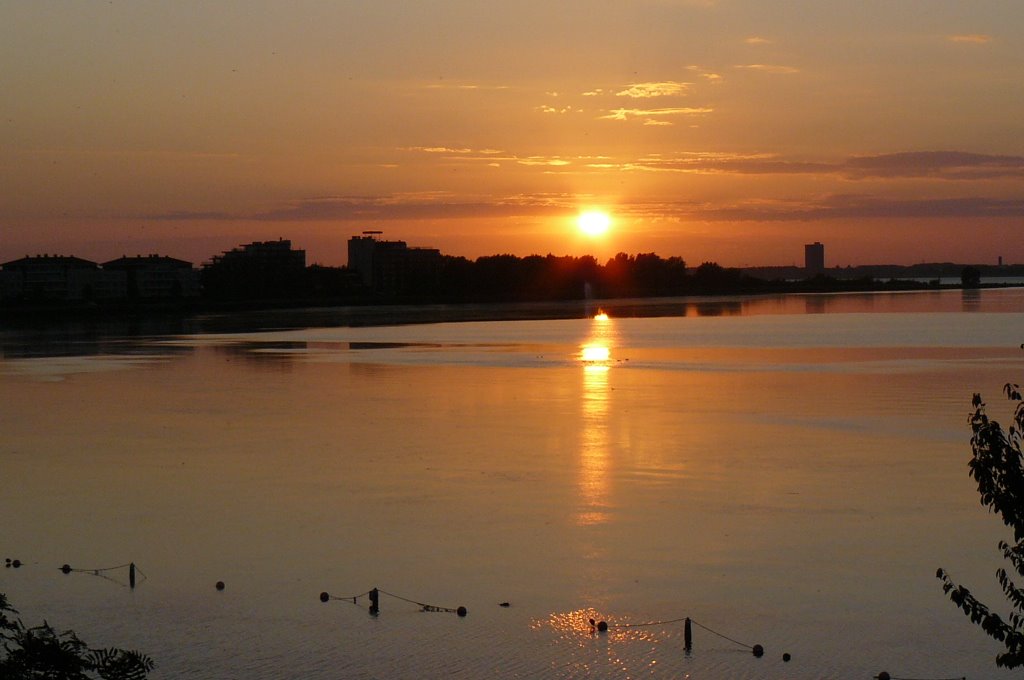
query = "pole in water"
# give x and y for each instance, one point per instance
(131, 575)
(374, 602)
(687, 635)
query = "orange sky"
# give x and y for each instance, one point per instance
(728, 131)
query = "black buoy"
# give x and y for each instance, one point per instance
(220, 585)
(687, 635)
(786, 657)
(758, 651)
(461, 611)
(883, 676)
(131, 575)
(324, 596)
(602, 626)
(15, 563)
(66, 568)
(504, 604)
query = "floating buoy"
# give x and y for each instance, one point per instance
(220, 585)
(758, 651)
(66, 568)
(324, 596)
(15, 563)
(461, 611)
(883, 676)
(504, 604)
(786, 657)
(602, 626)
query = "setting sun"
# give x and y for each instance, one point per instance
(594, 222)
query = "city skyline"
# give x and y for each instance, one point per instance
(733, 132)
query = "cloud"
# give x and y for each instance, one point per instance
(757, 40)
(626, 114)
(651, 121)
(659, 89)
(438, 149)
(976, 38)
(769, 68)
(943, 165)
(952, 165)
(430, 205)
(847, 206)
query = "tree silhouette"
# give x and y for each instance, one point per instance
(41, 652)
(998, 469)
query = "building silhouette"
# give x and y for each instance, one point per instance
(257, 270)
(59, 278)
(814, 258)
(155, 277)
(392, 267)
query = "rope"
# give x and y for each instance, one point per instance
(724, 637)
(67, 569)
(96, 572)
(958, 678)
(683, 618)
(649, 623)
(424, 607)
(353, 599)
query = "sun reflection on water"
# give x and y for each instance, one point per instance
(595, 354)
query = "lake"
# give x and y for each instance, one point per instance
(785, 471)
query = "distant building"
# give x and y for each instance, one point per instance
(814, 258)
(258, 270)
(59, 278)
(392, 267)
(154, 277)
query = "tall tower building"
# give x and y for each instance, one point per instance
(814, 258)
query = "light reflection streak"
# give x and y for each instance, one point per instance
(595, 355)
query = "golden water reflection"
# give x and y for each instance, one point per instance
(595, 354)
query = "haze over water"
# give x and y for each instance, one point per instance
(782, 476)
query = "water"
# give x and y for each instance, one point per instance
(786, 471)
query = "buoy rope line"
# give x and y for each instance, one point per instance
(962, 677)
(67, 569)
(724, 637)
(354, 599)
(377, 592)
(425, 607)
(681, 618)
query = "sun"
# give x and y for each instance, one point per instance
(594, 222)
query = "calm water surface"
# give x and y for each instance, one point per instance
(786, 471)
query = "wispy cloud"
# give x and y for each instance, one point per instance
(976, 38)
(942, 165)
(413, 206)
(769, 68)
(657, 89)
(757, 40)
(851, 206)
(952, 165)
(626, 114)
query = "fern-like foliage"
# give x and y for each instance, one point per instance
(998, 468)
(41, 652)
(120, 664)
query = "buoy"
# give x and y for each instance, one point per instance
(16, 563)
(461, 611)
(883, 676)
(602, 626)
(324, 596)
(786, 657)
(504, 604)
(220, 585)
(758, 651)
(66, 568)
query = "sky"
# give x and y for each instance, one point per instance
(728, 131)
